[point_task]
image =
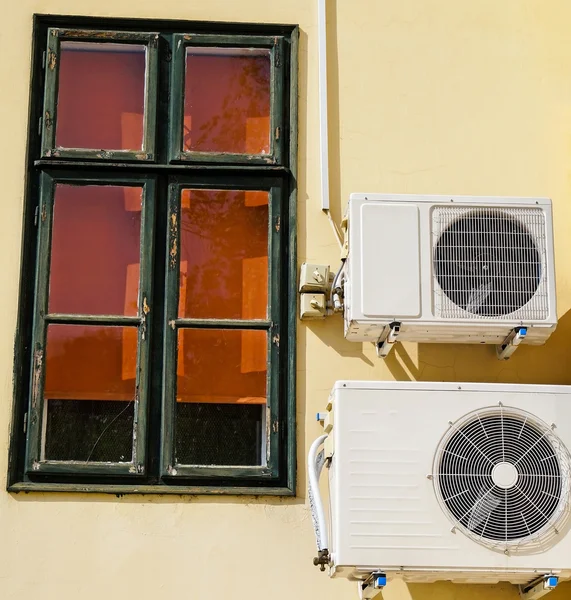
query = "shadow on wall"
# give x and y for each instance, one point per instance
(398, 590)
(547, 364)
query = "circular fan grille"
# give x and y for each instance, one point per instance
(487, 263)
(503, 477)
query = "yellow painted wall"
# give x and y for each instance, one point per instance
(426, 96)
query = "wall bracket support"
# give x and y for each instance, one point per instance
(385, 345)
(372, 586)
(511, 343)
(538, 588)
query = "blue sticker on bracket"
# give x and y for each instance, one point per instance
(552, 582)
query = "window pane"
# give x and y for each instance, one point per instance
(222, 373)
(90, 387)
(224, 254)
(101, 96)
(95, 250)
(227, 100)
(89, 430)
(219, 434)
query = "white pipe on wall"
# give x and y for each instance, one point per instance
(314, 466)
(323, 134)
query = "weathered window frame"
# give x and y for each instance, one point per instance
(152, 469)
(275, 45)
(49, 118)
(42, 318)
(173, 323)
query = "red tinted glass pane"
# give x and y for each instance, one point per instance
(224, 254)
(101, 96)
(95, 250)
(221, 397)
(90, 386)
(222, 366)
(85, 362)
(227, 100)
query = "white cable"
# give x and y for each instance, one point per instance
(315, 463)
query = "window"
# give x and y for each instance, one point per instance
(156, 334)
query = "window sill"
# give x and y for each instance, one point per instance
(159, 490)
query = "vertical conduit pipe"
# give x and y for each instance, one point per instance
(323, 133)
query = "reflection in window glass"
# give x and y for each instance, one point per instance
(227, 100)
(222, 374)
(95, 250)
(224, 254)
(101, 96)
(89, 389)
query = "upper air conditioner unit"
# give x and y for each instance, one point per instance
(448, 481)
(449, 269)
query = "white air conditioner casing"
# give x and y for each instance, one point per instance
(494, 256)
(394, 460)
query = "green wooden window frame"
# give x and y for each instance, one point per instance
(162, 174)
(270, 470)
(51, 66)
(43, 318)
(276, 47)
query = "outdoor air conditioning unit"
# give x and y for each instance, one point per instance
(447, 481)
(457, 269)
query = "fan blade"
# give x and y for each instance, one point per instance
(483, 508)
(478, 297)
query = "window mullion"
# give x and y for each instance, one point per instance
(176, 107)
(170, 333)
(146, 305)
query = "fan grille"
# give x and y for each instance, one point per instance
(489, 263)
(503, 477)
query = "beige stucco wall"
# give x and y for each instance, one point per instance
(426, 96)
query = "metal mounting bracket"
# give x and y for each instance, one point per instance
(538, 588)
(385, 345)
(510, 344)
(372, 586)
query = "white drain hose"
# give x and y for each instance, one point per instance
(315, 462)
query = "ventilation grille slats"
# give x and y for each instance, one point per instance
(489, 263)
(503, 477)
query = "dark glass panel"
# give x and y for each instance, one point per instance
(219, 434)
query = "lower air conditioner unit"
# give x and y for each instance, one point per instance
(446, 481)
(456, 269)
